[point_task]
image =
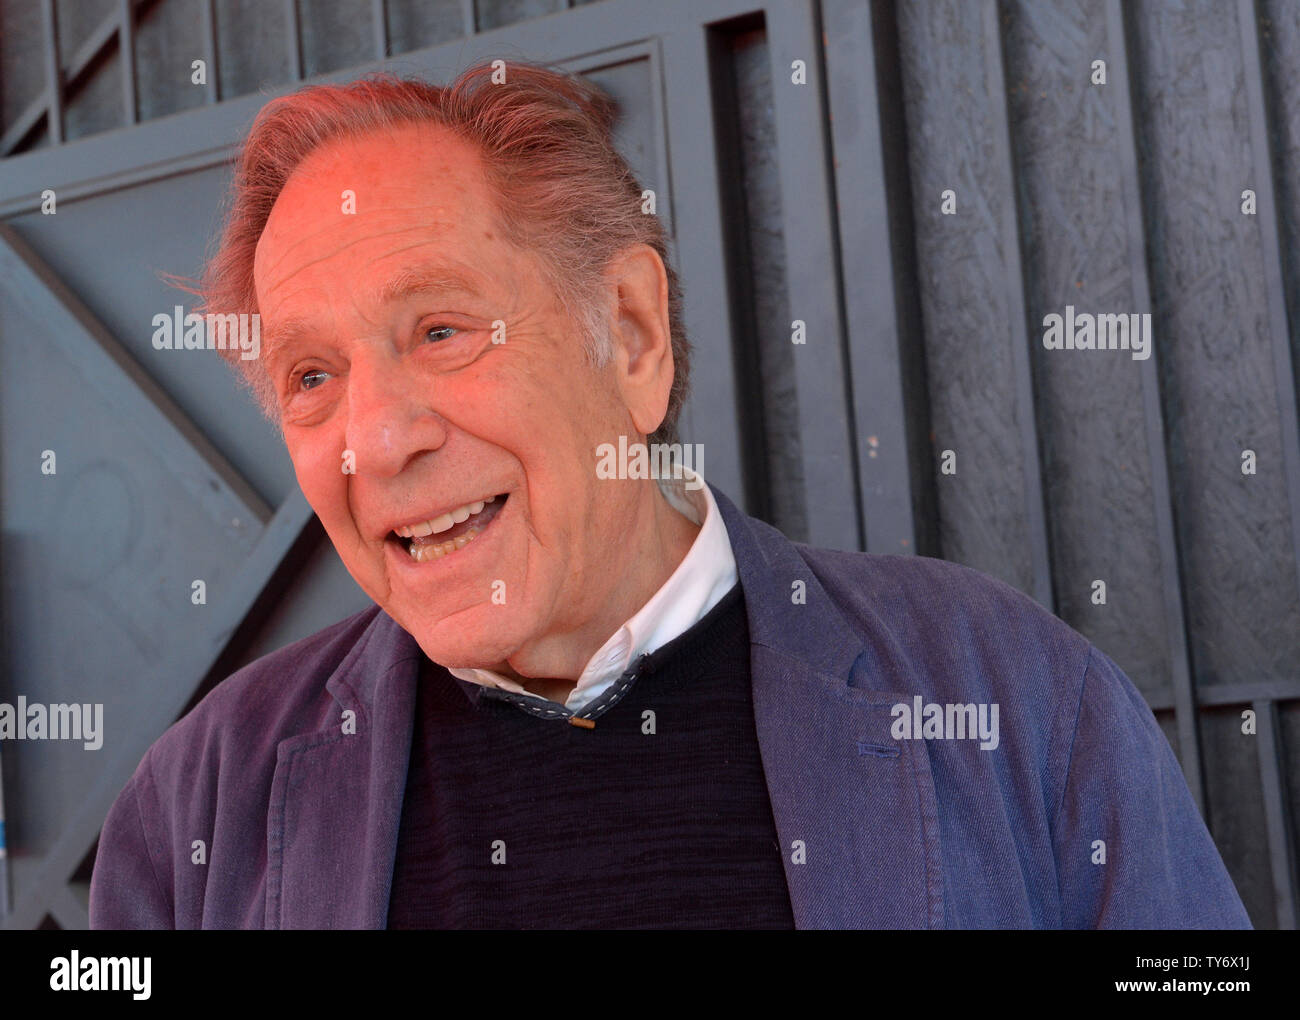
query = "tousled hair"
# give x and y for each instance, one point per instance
(563, 193)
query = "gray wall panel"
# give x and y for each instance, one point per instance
(77, 22)
(20, 57)
(335, 34)
(1217, 368)
(963, 269)
(496, 13)
(769, 346)
(97, 106)
(170, 222)
(250, 46)
(168, 40)
(1280, 42)
(1289, 739)
(1236, 807)
(416, 23)
(99, 557)
(1095, 463)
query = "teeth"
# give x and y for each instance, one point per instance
(423, 553)
(439, 524)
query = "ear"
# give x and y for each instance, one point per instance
(640, 337)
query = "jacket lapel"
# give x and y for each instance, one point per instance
(336, 798)
(855, 809)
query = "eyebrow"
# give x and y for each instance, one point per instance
(426, 278)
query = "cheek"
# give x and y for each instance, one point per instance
(319, 469)
(506, 408)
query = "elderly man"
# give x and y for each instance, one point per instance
(585, 701)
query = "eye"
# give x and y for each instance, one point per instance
(440, 329)
(311, 379)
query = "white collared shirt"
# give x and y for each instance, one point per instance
(705, 574)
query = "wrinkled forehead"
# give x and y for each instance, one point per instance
(388, 187)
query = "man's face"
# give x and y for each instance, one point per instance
(398, 408)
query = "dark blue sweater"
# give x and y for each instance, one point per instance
(659, 816)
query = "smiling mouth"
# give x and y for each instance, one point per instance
(448, 533)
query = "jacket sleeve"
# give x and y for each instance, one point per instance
(130, 885)
(1123, 787)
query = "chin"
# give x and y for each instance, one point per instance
(478, 638)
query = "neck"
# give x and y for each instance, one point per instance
(662, 538)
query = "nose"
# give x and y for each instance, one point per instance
(389, 417)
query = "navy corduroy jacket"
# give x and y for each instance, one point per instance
(1079, 817)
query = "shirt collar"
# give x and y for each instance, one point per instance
(704, 576)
